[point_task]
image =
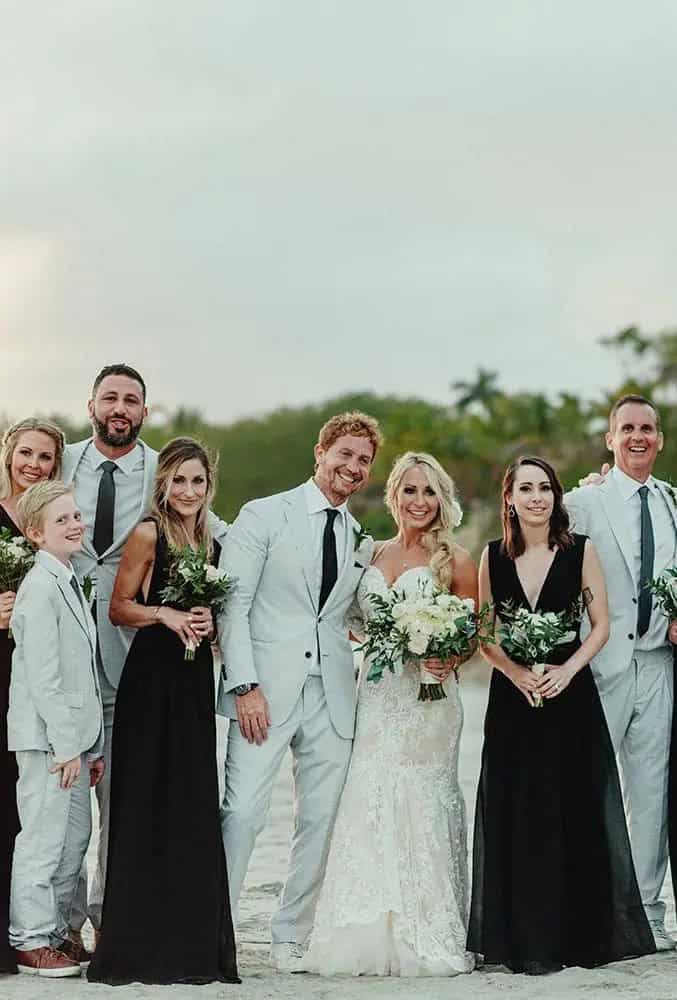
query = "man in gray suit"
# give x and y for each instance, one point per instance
(297, 557)
(55, 726)
(112, 474)
(631, 517)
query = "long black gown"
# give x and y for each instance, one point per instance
(553, 878)
(9, 818)
(166, 915)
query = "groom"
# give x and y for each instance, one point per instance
(289, 680)
(631, 518)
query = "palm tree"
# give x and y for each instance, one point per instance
(483, 392)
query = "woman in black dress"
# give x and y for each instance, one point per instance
(166, 916)
(553, 878)
(31, 452)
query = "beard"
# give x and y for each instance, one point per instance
(113, 438)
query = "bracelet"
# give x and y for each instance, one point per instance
(157, 611)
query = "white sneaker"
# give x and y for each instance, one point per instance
(287, 957)
(662, 939)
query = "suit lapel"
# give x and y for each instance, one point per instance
(670, 500)
(616, 511)
(72, 600)
(297, 518)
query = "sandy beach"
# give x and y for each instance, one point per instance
(651, 978)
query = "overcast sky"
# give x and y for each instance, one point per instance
(265, 203)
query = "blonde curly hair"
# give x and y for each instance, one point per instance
(437, 538)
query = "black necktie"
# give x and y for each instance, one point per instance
(647, 549)
(105, 509)
(329, 559)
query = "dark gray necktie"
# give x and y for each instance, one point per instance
(647, 549)
(78, 592)
(105, 509)
(329, 558)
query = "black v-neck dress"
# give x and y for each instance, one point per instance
(553, 877)
(9, 818)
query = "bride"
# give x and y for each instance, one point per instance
(394, 900)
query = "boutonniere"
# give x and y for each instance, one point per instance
(89, 589)
(360, 536)
(672, 492)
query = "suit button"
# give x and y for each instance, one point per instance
(630, 635)
(308, 654)
(319, 620)
(99, 562)
(634, 600)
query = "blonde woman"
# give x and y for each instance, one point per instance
(166, 917)
(30, 453)
(394, 899)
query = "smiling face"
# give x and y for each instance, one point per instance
(532, 495)
(188, 488)
(417, 502)
(33, 460)
(343, 468)
(635, 440)
(62, 528)
(117, 411)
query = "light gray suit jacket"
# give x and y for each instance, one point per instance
(54, 699)
(114, 641)
(600, 513)
(271, 628)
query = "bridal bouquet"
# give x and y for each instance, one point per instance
(430, 623)
(664, 590)
(16, 558)
(195, 583)
(529, 637)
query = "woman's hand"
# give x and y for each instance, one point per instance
(672, 633)
(555, 680)
(203, 623)
(525, 681)
(6, 607)
(180, 622)
(440, 669)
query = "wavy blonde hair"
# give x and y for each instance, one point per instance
(172, 456)
(10, 439)
(437, 539)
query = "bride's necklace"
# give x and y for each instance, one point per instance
(408, 562)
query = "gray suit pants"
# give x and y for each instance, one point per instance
(321, 760)
(56, 825)
(639, 716)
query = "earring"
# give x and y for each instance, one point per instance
(511, 510)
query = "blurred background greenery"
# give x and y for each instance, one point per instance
(475, 436)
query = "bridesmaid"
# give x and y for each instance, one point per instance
(30, 452)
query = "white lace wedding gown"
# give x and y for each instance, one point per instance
(395, 895)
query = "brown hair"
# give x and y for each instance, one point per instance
(172, 456)
(558, 533)
(353, 422)
(10, 439)
(632, 397)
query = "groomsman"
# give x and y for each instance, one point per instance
(631, 517)
(297, 557)
(112, 473)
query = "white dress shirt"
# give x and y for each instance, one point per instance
(128, 479)
(317, 504)
(665, 545)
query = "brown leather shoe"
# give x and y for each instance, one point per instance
(76, 951)
(47, 962)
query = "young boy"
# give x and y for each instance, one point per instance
(54, 725)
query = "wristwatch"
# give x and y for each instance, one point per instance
(244, 689)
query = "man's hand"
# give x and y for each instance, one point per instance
(70, 772)
(96, 771)
(672, 633)
(595, 478)
(253, 715)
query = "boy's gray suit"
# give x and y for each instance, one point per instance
(634, 674)
(55, 714)
(273, 634)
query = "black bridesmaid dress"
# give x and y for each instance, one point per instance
(553, 878)
(9, 818)
(166, 913)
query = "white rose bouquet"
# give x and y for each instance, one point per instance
(195, 582)
(529, 637)
(430, 623)
(16, 558)
(664, 590)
